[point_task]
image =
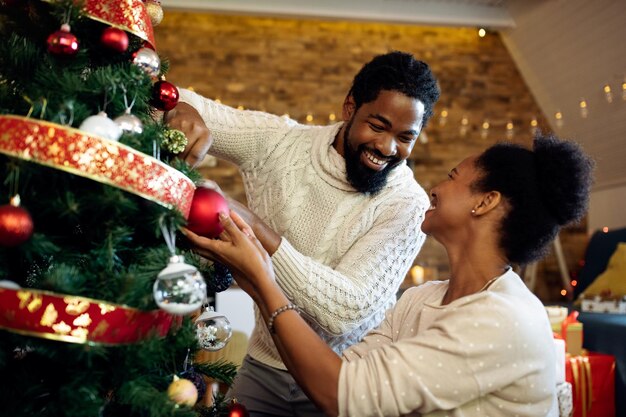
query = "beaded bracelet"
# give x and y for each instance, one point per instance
(279, 310)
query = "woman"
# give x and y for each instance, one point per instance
(478, 344)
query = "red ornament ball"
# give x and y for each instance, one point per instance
(164, 95)
(62, 42)
(114, 39)
(236, 409)
(16, 225)
(206, 206)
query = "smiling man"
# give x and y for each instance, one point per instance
(336, 207)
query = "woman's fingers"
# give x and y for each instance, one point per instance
(241, 224)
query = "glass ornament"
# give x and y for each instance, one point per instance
(213, 330)
(179, 288)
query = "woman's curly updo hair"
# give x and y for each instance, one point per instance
(396, 71)
(545, 188)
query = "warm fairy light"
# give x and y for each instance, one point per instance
(240, 107)
(286, 115)
(464, 121)
(574, 283)
(533, 123)
(608, 94)
(309, 117)
(443, 118)
(417, 274)
(583, 108)
(485, 125)
(444, 113)
(482, 32)
(332, 117)
(563, 292)
(583, 104)
(605, 229)
(509, 126)
(190, 88)
(217, 100)
(558, 115)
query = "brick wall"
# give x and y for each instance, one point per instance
(304, 67)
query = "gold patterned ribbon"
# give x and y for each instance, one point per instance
(96, 158)
(76, 319)
(583, 384)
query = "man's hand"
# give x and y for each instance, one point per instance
(186, 119)
(268, 237)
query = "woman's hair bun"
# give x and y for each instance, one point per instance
(564, 177)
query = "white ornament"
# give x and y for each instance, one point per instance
(129, 122)
(179, 288)
(148, 60)
(213, 330)
(101, 125)
(11, 285)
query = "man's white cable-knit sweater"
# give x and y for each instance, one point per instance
(343, 253)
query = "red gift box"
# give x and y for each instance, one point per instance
(592, 376)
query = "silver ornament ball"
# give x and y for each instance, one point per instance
(179, 288)
(213, 330)
(148, 60)
(101, 125)
(129, 123)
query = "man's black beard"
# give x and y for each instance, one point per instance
(362, 178)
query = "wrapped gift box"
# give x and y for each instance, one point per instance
(592, 376)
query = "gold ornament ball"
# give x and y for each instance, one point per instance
(183, 392)
(154, 11)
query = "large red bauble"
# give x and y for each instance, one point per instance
(206, 206)
(236, 409)
(16, 225)
(114, 39)
(164, 95)
(62, 42)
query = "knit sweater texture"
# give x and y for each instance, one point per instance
(343, 253)
(485, 354)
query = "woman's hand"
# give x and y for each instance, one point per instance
(240, 250)
(186, 119)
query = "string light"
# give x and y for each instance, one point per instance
(605, 229)
(218, 101)
(240, 107)
(443, 118)
(563, 292)
(332, 117)
(608, 94)
(584, 111)
(309, 118)
(559, 119)
(482, 32)
(417, 274)
(624, 90)
(464, 125)
(533, 126)
(510, 129)
(485, 131)
(574, 283)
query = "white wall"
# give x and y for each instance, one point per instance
(237, 306)
(607, 209)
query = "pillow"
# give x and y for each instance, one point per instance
(613, 280)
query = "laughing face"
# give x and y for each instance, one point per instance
(377, 137)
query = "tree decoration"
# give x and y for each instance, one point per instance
(179, 289)
(16, 225)
(183, 392)
(63, 43)
(206, 206)
(222, 278)
(164, 95)
(155, 11)
(101, 125)
(129, 123)
(114, 39)
(197, 379)
(236, 409)
(213, 330)
(174, 141)
(148, 60)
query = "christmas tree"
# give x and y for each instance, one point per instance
(91, 195)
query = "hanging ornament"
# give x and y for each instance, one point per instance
(155, 11)
(183, 392)
(221, 279)
(16, 225)
(62, 42)
(11, 285)
(114, 39)
(213, 330)
(164, 95)
(236, 409)
(179, 288)
(174, 141)
(197, 380)
(148, 60)
(206, 206)
(101, 125)
(129, 123)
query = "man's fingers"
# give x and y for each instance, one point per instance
(195, 152)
